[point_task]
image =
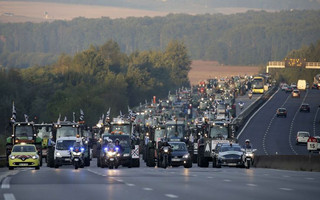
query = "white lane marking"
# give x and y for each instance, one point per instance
(97, 173)
(9, 196)
(315, 121)
(286, 189)
(210, 177)
(147, 189)
(309, 178)
(6, 183)
(227, 180)
(292, 123)
(130, 184)
(267, 131)
(286, 176)
(119, 180)
(251, 184)
(171, 196)
(244, 127)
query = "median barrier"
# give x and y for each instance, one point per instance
(288, 162)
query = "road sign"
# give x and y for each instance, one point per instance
(312, 144)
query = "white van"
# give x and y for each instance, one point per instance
(302, 85)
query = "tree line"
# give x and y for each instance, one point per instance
(251, 38)
(92, 80)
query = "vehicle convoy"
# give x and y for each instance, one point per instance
(111, 157)
(229, 154)
(63, 129)
(217, 132)
(63, 152)
(44, 131)
(76, 154)
(24, 132)
(24, 155)
(180, 155)
(248, 157)
(121, 129)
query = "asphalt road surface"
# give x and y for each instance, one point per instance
(277, 135)
(94, 183)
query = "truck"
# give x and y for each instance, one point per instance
(302, 85)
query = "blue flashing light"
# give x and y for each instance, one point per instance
(117, 148)
(71, 148)
(82, 149)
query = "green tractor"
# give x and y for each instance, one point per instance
(24, 132)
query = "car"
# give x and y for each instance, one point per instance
(281, 112)
(304, 107)
(229, 155)
(289, 89)
(295, 93)
(180, 155)
(284, 87)
(24, 155)
(302, 137)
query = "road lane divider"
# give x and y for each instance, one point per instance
(6, 183)
(292, 123)
(9, 196)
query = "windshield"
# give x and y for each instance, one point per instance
(257, 84)
(230, 148)
(24, 149)
(124, 139)
(303, 134)
(159, 133)
(124, 128)
(43, 133)
(178, 146)
(171, 130)
(65, 144)
(67, 131)
(24, 132)
(220, 132)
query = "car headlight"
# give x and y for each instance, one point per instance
(126, 155)
(35, 157)
(186, 156)
(12, 157)
(76, 153)
(58, 154)
(249, 154)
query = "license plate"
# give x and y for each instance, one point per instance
(175, 159)
(111, 159)
(248, 158)
(232, 164)
(76, 159)
(67, 159)
(23, 164)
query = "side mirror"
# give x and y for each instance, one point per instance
(254, 150)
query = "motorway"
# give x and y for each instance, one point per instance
(272, 135)
(153, 183)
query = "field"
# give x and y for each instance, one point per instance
(202, 70)
(39, 12)
(19, 11)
